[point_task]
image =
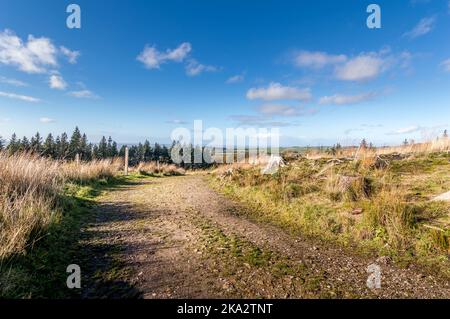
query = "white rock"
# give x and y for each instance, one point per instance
(443, 197)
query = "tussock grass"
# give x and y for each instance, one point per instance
(31, 194)
(376, 202)
(90, 171)
(153, 168)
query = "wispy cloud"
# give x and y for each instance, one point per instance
(12, 81)
(25, 98)
(235, 79)
(84, 94)
(71, 56)
(446, 65)
(284, 110)
(46, 120)
(406, 130)
(340, 99)
(177, 122)
(57, 82)
(424, 26)
(426, 132)
(259, 121)
(276, 91)
(317, 60)
(152, 58)
(194, 68)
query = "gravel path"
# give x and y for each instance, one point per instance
(176, 238)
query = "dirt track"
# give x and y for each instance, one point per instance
(176, 238)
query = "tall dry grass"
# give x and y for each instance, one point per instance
(89, 171)
(152, 168)
(30, 188)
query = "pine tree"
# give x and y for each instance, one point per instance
(13, 145)
(157, 152)
(165, 154)
(36, 143)
(114, 150)
(363, 144)
(24, 144)
(2, 143)
(102, 148)
(63, 150)
(48, 149)
(122, 151)
(85, 148)
(148, 153)
(75, 144)
(445, 134)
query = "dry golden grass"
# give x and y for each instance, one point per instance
(90, 171)
(153, 168)
(29, 187)
(380, 199)
(29, 190)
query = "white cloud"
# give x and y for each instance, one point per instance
(46, 120)
(177, 122)
(12, 81)
(340, 99)
(284, 110)
(152, 58)
(194, 68)
(275, 91)
(361, 68)
(424, 26)
(235, 79)
(446, 65)
(57, 82)
(19, 97)
(71, 56)
(31, 56)
(406, 130)
(258, 121)
(317, 60)
(84, 94)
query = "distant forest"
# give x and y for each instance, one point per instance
(62, 147)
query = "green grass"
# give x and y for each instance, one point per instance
(41, 271)
(307, 198)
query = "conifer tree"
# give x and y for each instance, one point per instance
(103, 148)
(13, 145)
(48, 149)
(24, 144)
(36, 143)
(63, 151)
(75, 144)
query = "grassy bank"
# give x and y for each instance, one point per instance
(379, 204)
(43, 206)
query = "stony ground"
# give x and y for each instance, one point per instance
(174, 237)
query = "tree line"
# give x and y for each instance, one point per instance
(62, 147)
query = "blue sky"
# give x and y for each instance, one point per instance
(139, 69)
